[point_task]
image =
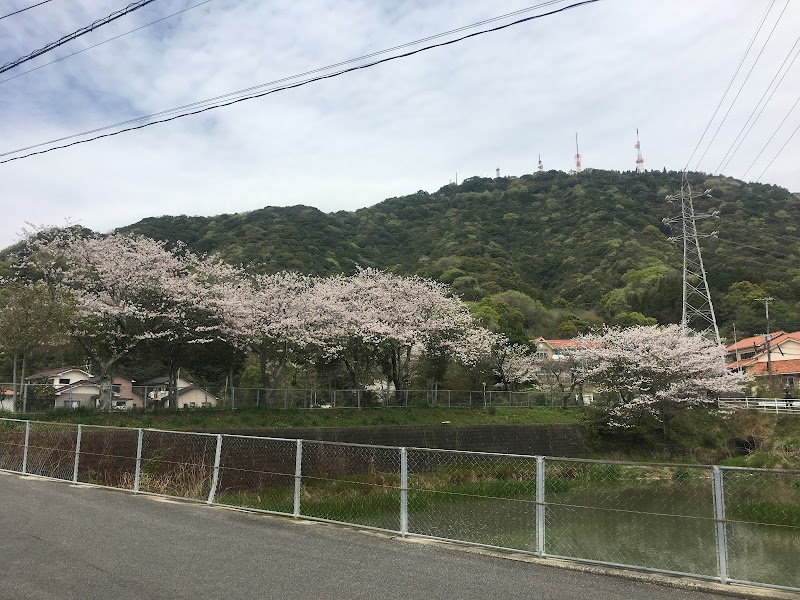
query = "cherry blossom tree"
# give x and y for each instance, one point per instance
(562, 374)
(125, 290)
(379, 319)
(655, 369)
(513, 364)
(270, 315)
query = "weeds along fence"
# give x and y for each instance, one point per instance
(733, 525)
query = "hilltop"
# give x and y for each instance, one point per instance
(576, 246)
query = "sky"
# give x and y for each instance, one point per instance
(497, 100)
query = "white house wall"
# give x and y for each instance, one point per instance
(790, 349)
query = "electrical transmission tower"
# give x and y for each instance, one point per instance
(540, 166)
(639, 159)
(698, 311)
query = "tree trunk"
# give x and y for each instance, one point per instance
(14, 383)
(105, 388)
(106, 371)
(262, 366)
(22, 381)
(172, 384)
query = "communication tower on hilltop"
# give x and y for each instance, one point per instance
(540, 167)
(497, 173)
(639, 159)
(577, 156)
(698, 311)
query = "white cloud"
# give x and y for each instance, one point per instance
(496, 100)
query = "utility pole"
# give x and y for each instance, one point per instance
(767, 341)
(698, 310)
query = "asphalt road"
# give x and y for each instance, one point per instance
(59, 541)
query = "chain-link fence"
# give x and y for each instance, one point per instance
(728, 524)
(33, 397)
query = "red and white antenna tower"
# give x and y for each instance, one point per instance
(639, 159)
(577, 156)
(540, 168)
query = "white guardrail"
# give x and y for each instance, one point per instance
(772, 405)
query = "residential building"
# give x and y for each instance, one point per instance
(76, 388)
(87, 393)
(548, 349)
(189, 395)
(60, 377)
(750, 355)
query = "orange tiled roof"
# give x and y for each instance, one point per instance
(741, 363)
(562, 344)
(756, 340)
(779, 367)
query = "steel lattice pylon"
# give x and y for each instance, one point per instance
(698, 310)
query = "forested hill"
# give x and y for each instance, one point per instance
(594, 241)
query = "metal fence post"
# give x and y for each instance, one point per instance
(233, 398)
(25, 449)
(403, 492)
(138, 476)
(720, 523)
(540, 506)
(24, 398)
(215, 479)
(298, 477)
(77, 454)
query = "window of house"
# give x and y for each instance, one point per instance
(72, 403)
(192, 404)
(789, 382)
(63, 382)
(116, 388)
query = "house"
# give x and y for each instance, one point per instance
(87, 393)
(555, 349)
(189, 395)
(74, 387)
(782, 346)
(7, 400)
(750, 355)
(787, 370)
(60, 377)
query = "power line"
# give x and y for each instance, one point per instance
(730, 83)
(779, 152)
(720, 166)
(774, 133)
(245, 91)
(116, 37)
(277, 89)
(24, 9)
(76, 34)
(773, 252)
(744, 83)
